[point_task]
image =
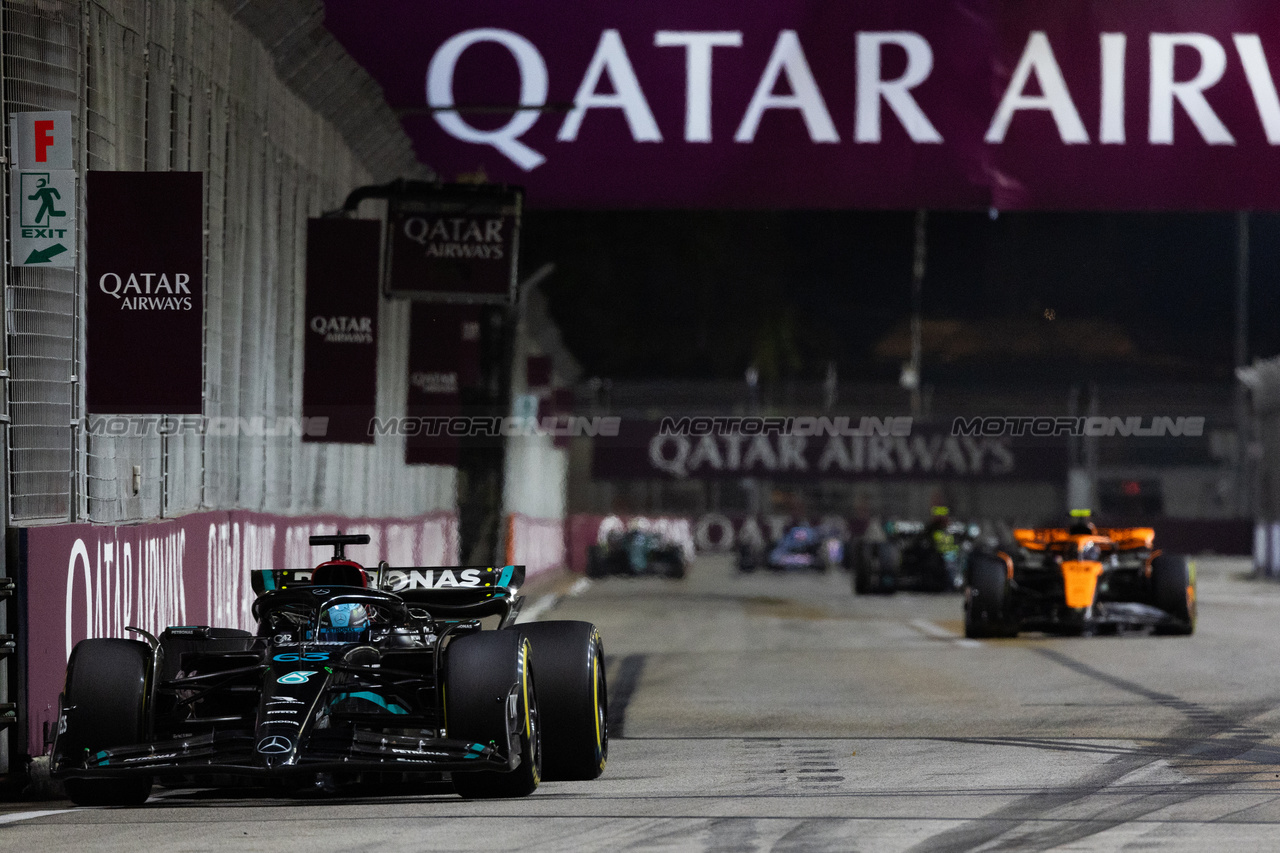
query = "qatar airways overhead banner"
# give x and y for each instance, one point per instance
(1016, 104)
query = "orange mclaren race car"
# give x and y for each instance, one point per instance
(1079, 580)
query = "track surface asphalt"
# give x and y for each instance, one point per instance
(779, 712)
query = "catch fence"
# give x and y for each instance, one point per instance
(282, 124)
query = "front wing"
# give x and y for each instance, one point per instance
(239, 754)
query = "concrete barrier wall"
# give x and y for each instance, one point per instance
(536, 543)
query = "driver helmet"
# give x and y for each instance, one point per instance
(344, 622)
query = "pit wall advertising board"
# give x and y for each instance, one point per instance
(969, 104)
(84, 580)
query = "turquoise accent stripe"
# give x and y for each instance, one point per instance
(477, 748)
(507, 572)
(370, 697)
(268, 580)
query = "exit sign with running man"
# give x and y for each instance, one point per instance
(42, 191)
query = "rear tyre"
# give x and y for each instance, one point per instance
(888, 561)
(986, 599)
(481, 671)
(861, 570)
(573, 698)
(1173, 589)
(108, 682)
(597, 562)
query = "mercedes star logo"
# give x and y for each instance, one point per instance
(275, 744)
(321, 591)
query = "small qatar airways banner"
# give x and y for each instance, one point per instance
(340, 353)
(86, 580)
(145, 293)
(444, 363)
(1015, 104)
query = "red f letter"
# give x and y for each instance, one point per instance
(44, 138)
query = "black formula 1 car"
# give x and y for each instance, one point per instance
(634, 553)
(914, 556)
(344, 682)
(1079, 580)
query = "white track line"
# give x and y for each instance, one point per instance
(17, 816)
(937, 632)
(534, 611)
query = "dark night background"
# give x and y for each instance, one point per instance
(705, 294)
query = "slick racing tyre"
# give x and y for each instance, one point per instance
(1173, 590)
(481, 671)
(674, 568)
(573, 698)
(861, 569)
(986, 603)
(597, 562)
(887, 562)
(108, 682)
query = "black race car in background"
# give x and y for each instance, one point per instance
(344, 681)
(801, 547)
(636, 552)
(914, 556)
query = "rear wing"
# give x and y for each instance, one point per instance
(1124, 538)
(1128, 538)
(488, 579)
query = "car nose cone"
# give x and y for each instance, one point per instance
(275, 745)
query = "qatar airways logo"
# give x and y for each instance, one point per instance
(787, 82)
(343, 330)
(434, 382)
(148, 290)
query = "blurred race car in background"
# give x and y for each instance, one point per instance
(636, 552)
(801, 547)
(1079, 580)
(914, 556)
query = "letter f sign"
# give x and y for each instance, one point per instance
(44, 139)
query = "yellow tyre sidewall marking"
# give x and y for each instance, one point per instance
(524, 680)
(595, 696)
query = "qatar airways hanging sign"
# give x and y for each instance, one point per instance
(1074, 104)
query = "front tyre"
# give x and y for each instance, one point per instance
(573, 698)
(108, 685)
(481, 671)
(1173, 590)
